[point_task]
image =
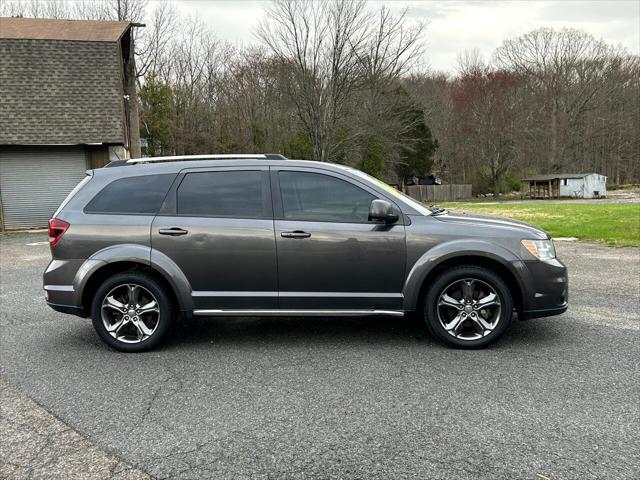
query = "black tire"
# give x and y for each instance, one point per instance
(165, 304)
(450, 277)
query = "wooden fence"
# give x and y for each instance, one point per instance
(439, 193)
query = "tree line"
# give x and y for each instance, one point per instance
(342, 81)
(549, 101)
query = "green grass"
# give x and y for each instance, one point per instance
(613, 224)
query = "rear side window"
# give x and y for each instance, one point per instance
(141, 195)
(239, 194)
(72, 194)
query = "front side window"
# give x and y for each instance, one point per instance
(222, 194)
(142, 195)
(322, 198)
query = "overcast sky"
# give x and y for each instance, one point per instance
(454, 26)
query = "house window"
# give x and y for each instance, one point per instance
(565, 182)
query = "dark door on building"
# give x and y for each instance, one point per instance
(34, 181)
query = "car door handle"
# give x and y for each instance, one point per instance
(173, 231)
(296, 234)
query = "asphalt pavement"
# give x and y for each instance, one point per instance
(349, 398)
(35, 445)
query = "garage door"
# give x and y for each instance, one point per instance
(34, 181)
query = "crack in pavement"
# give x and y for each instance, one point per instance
(36, 445)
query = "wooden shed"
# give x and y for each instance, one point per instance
(576, 185)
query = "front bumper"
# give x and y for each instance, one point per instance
(549, 312)
(547, 289)
(70, 309)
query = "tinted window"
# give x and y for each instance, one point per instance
(222, 194)
(317, 197)
(133, 195)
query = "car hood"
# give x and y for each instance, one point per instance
(492, 221)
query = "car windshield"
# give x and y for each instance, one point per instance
(403, 197)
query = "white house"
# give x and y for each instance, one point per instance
(577, 185)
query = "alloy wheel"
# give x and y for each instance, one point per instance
(469, 309)
(130, 313)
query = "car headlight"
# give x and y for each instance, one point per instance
(541, 249)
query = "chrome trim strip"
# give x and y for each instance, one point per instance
(342, 294)
(296, 313)
(59, 288)
(203, 293)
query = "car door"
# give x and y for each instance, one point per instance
(330, 256)
(217, 227)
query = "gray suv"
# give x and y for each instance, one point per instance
(142, 243)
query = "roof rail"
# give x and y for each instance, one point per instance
(186, 158)
(115, 163)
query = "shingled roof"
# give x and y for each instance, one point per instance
(61, 82)
(54, 29)
(554, 176)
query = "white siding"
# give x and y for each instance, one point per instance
(595, 183)
(584, 187)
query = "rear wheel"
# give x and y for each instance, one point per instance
(132, 311)
(468, 307)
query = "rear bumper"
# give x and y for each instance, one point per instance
(63, 283)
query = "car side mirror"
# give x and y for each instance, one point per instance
(382, 211)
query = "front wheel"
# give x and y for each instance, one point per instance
(132, 311)
(468, 307)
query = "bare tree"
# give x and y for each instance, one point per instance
(129, 10)
(35, 8)
(392, 46)
(560, 66)
(339, 52)
(385, 113)
(470, 62)
(320, 40)
(153, 48)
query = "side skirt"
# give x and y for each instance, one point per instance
(296, 313)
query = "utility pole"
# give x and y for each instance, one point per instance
(132, 93)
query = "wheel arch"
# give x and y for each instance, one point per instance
(495, 258)
(123, 258)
